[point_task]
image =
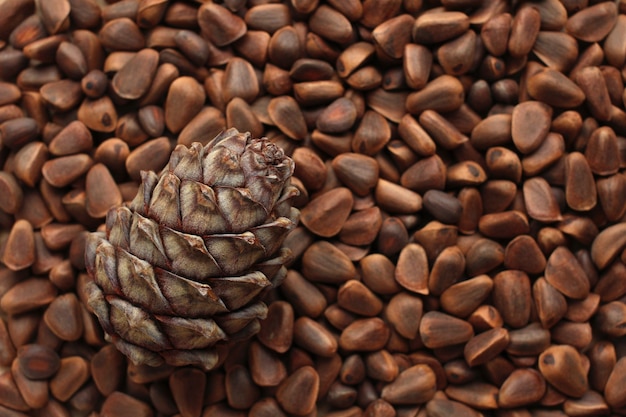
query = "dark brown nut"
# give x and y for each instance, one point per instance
(592, 23)
(439, 330)
(38, 361)
(19, 250)
(311, 93)
(522, 388)
(495, 33)
(324, 262)
(393, 35)
(494, 130)
(417, 62)
(119, 403)
(133, 80)
(415, 385)
(121, 34)
(555, 89)
(372, 134)
(63, 317)
(314, 337)
(549, 152)
(443, 94)
(506, 224)
(530, 123)
(365, 335)
(438, 27)
(610, 319)
(277, 329)
(152, 155)
(72, 374)
(352, 57)
(593, 84)
(355, 297)
(297, 394)
(557, 50)
(457, 56)
(338, 117)
(602, 152)
(562, 367)
(524, 30)
(99, 114)
(613, 392)
(540, 202)
(17, 132)
(73, 138)
(287, 116)
(512, 297)
(29, 161)
(462, 298)
(564, 272)
(444, 207)
(485, 346)
(185, 99)
(412, 269)
(326, 214)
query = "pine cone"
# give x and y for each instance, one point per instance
(181, 270)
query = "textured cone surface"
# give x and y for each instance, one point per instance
(181, 270)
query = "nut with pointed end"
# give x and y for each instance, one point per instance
(181, 269)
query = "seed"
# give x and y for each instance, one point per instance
(37, 361)
(312, 93)
(412, 269)
(287, 116)
(266, 368)
(63, 317)
(404, 312)
(185, 99)
(602, 152)
(564, 272)
(593, 23)
(443, 94)
(549, 152)
(457, 56)
(610, 319)
(611, 192)
(417, 62)
(323, 262)
(463, 298)
(355, 297)
(441, 330)
(492, 131)
(330, 24)
(338, 117)
(119, 403)
(187, 385)
(523, 387)
(550, 304)
(495, 33)
(72, 374)
(487, 345)
(524, 30)
(19, 249)
(314, 337)
(326, 214)
(530, 123)
(107, 368)
(298, 392)
(392, 35)
(102, 192)
(98, 115)
(512, 297)
(125, 82)
(539, 200)
(561, 366)
(415, 385)
(506, 224)
(152, 155)
(34, 393)
(438, 27)
(207, 123)
(268, 17)
(366, 335)
(555, 89)
(396, 199)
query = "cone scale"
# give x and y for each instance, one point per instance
(180, 271)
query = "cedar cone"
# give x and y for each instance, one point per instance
(181, 270)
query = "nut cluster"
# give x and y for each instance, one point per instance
(462, 192)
